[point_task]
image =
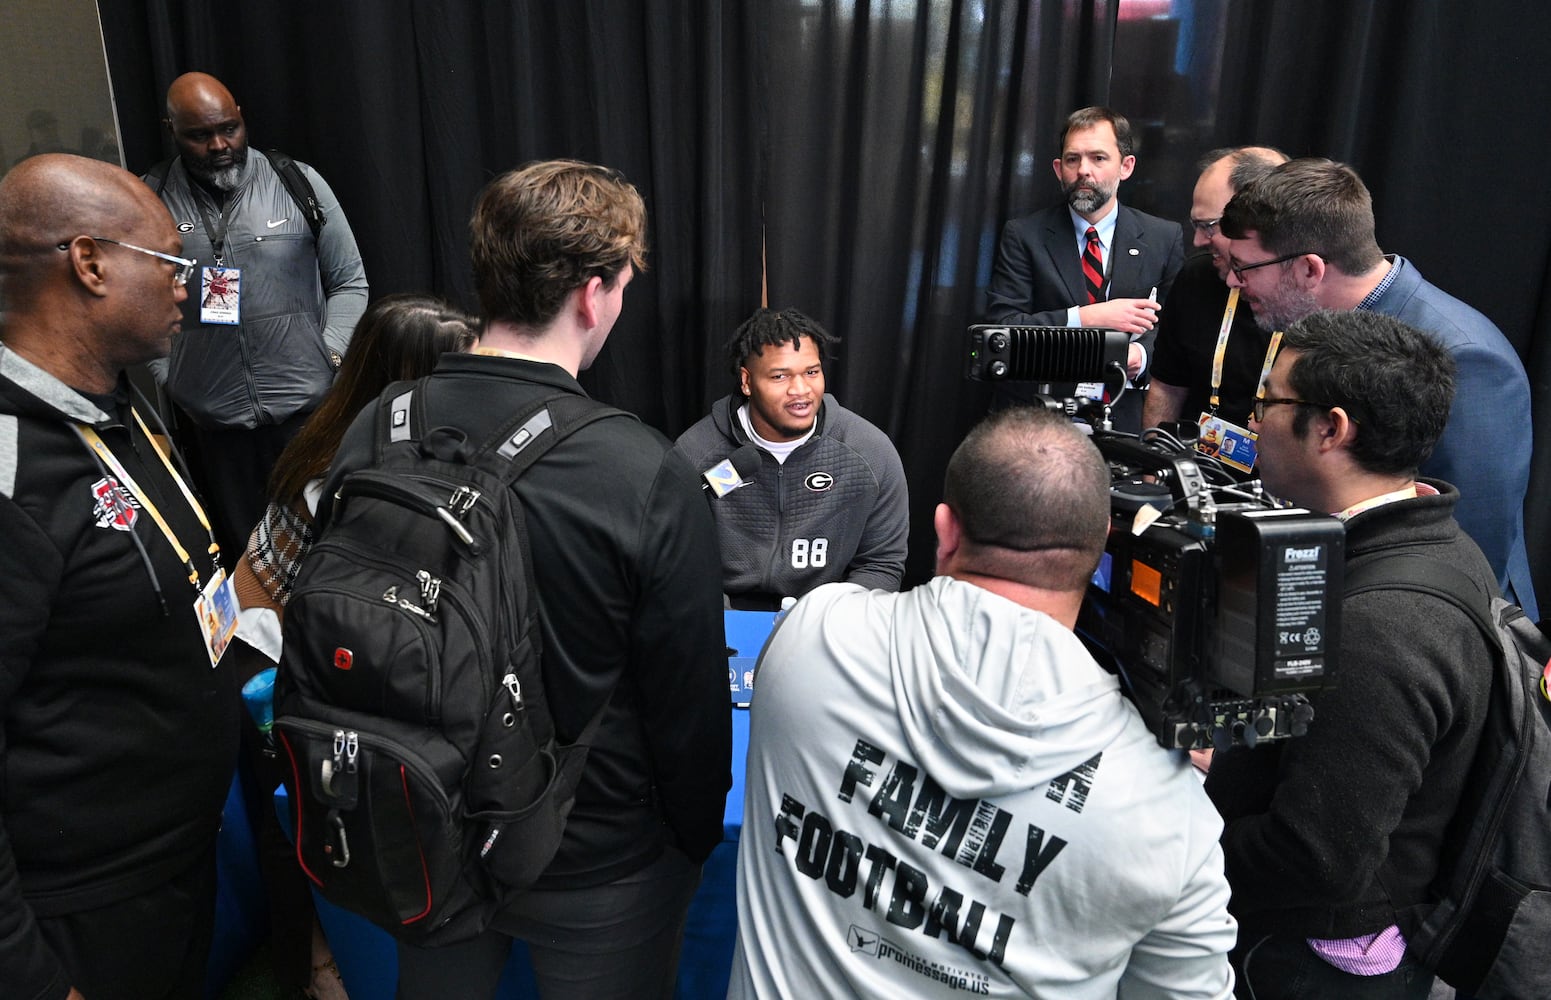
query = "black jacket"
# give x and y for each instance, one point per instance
(1187, 340)
(117, 739)
(1334, 834)
(624, 557)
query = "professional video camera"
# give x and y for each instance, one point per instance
(1219, 610)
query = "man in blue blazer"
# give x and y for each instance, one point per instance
(1302, 240)
(1091, 261)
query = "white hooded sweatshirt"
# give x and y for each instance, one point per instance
(946, 795)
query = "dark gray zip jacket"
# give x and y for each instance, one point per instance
(837, 511)
(300, 298)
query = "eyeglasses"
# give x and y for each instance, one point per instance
(183, 268)
(1261, 404)
(1206, 227)
(1239, 269)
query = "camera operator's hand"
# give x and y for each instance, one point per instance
(1129, 315)
(1135, 358)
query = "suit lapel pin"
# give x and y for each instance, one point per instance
(1133, 251)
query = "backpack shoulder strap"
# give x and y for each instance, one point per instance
(524, 439)
(1427, 575)
(157, 176)
(400, 415)
(300, 189)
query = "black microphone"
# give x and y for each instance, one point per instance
(731, 472)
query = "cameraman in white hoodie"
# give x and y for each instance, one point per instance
(946, 794)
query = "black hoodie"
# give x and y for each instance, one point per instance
(117, 739)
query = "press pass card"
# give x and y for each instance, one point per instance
(1227, 442)
(216, 608)
(220, 295)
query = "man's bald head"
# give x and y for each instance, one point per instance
(1031, 494)
(1224, 172)
(1242, 165)
(51, 199)
(86, 284)
(207, 126)
(195, 91)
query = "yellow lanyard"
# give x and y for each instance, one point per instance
(496, 352)
(1222, 352)
(126, 481)
(1265, 367)
(1222, 347)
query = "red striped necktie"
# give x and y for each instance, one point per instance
(1093, 266)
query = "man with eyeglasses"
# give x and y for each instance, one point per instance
(1089, 261)
(271, 307)
(1302, 239)
(1210, 355)
(1332, 839)
(118, 714)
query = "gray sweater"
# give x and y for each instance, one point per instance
(837, 511)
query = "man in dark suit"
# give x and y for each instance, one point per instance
(1092, 261)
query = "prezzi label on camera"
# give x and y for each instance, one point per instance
(1298, 625)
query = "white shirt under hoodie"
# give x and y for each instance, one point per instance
(946, 795)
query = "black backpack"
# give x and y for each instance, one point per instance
(425, 782)
(1488, 925)
(296, 185)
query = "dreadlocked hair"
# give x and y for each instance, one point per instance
(771, 327)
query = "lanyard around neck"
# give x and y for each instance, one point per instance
(1265, 368)
(1221, 352)
(1222, 346)
(126, 481)
(215, 228)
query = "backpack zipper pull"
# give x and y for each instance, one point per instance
(509, 718)
(352, 748)
(430, 590)
(329, 768)
(463, 498)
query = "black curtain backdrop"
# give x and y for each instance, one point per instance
(862, 156)
(408, 107)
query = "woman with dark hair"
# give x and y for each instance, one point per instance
(399, 337)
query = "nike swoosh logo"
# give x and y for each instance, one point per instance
(272, 223)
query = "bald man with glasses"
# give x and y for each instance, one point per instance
(1210, 354)
(118, 718)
